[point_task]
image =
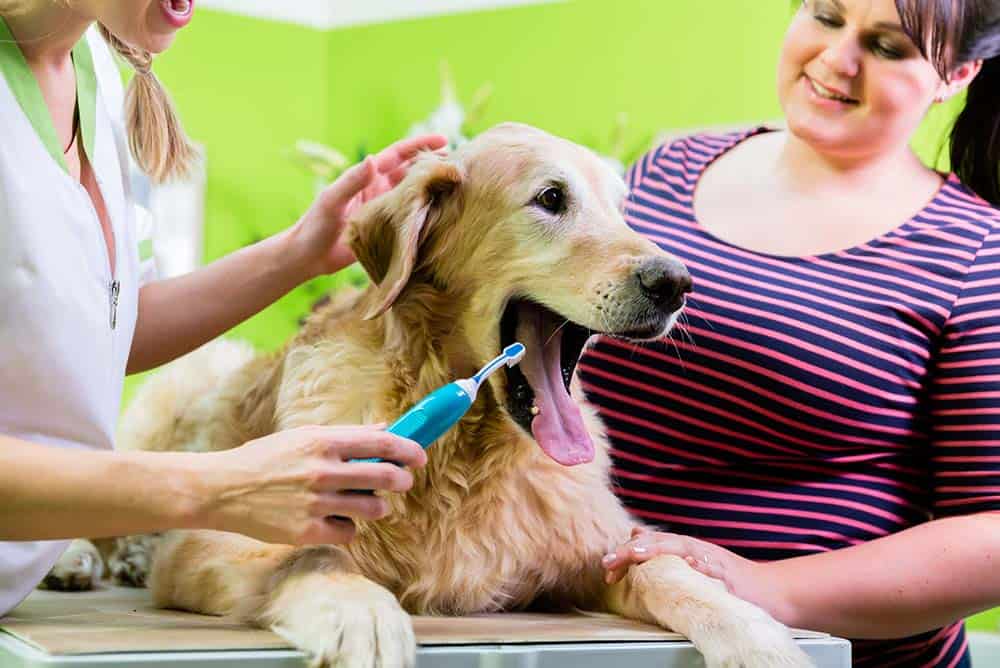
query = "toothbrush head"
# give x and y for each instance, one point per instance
(514, 353)
(510, 356)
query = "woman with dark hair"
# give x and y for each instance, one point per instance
(826, 439)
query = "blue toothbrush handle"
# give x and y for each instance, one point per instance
(431, 417)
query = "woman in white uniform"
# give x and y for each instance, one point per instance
(72, 284)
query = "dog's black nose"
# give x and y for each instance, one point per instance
(664, 281)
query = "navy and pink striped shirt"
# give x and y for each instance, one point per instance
(817, 402)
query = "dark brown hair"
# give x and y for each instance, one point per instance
(950, 33)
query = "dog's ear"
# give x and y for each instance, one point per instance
(386, 234)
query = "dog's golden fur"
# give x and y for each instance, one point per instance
(492, 523)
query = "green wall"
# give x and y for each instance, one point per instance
(248, 89)
(567, 67)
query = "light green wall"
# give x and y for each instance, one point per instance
(567, 67)
(248, 89)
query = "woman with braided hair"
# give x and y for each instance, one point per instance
(78, 308)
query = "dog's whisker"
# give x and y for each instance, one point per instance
(554, 332)
(692, 301)
(682, 327)
(677, 350)
(607, 322)
(690, 338)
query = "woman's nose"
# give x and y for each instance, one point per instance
(842, 57)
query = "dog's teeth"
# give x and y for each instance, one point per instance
(535, 410)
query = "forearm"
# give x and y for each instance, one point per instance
(914, 581)
(180, 314)
(48, 492)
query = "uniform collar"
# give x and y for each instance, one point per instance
(22, 83)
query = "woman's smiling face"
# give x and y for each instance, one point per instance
(850, 81)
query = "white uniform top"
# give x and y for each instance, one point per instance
(64, 342)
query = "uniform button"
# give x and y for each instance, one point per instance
(25, 272)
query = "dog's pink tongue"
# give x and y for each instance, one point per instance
(558, 428)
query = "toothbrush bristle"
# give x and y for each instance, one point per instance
(514, 353)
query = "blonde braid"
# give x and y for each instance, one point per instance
(155, 134)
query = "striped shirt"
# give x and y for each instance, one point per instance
(814, 402)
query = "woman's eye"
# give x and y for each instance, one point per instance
(552, 199)
(828, 21)
(887, 51)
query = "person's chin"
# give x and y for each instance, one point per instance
(161, 45)
(157, 42)
(819, 130)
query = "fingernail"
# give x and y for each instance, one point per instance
(608, 558)
(639, 549)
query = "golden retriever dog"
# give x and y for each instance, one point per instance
(517, 235)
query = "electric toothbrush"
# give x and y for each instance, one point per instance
(440, 410)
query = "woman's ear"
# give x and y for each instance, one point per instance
(386, 234)
(958, 81)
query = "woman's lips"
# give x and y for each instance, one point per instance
(178, 13)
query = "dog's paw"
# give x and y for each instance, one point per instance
(132, 559)
(343, 621)
(79, 568)
(761, 658)
(760, 642)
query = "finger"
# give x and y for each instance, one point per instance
(382, 444)
(616, 575)
(406, 149)
(328, 531)
(713, 568)
(398, 174)
(644, 547)
(660, 543)
(350, 183)
(625, 555)
(702, 566)
(613, 560)
(695, 554)
(355, 506)
(365, 475)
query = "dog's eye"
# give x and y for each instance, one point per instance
(552, 199)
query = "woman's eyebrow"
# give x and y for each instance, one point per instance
(892, 27)
(881, 25)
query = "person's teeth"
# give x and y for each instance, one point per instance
(827, 93)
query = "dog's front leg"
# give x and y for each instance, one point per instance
(729, 632)
(313, 597)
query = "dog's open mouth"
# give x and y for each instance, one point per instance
(538, 389)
